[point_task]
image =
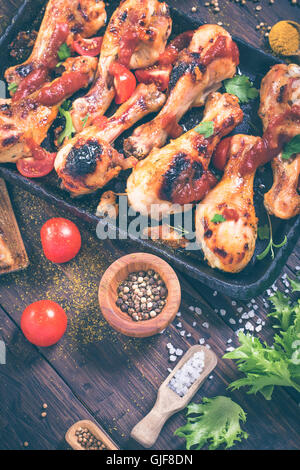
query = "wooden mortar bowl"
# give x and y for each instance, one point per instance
(117, 273)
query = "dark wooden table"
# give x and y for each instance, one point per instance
(98, 374)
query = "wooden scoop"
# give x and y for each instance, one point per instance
(168, 402)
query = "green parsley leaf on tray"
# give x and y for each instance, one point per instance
(291, 148)
(13, 87)
(64, 52)
(218, 218)
(241, 87)
(69, 129)
(215, 422)
(205, 128)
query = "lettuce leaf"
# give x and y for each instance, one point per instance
(268, 366)
(215, 422)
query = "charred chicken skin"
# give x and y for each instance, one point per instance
(88, 162)
(226, 224)
(30, 119)
(211, 57)
(178, 173)
(280, 94)
(135, 37)
(63, 19)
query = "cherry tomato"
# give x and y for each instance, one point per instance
(90, 47)
(61, 240)
(221, 154)
(160, 75)
(40, 164)
(44, 323)
(124, 81)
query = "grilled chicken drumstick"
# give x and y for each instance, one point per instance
(135, 37)
(88, 162)
(211, 57)
(229, 244)
(283, 199)
(30, 119)
(280, 92)
(63, 19)
(178, 173)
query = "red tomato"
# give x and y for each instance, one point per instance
(221, 154)
(61, 240)
(40, 164)
(160, 75)
(90, 47)
(124, 81)
(44, 323)
(34, 168)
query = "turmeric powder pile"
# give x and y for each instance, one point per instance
(284, 38)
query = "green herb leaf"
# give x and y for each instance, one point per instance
(64, 52)
(241, 87)
(295, 285)
(13, 87)
(267, 366)
(84, 121)
(291, 148)
(216, 422)
(263, 232)
(205, 128)
(69, 129)
(66, 105)
(282, 310)
(218, 218)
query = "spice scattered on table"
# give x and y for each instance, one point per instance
(188, 374)
(142, 295)
(87, 440)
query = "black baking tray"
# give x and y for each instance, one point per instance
(258, 275)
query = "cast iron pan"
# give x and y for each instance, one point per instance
(258, 275)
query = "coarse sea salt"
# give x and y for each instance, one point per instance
(184, 378)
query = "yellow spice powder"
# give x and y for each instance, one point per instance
(284, 38)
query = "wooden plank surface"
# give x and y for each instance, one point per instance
(117, 377)
(94, 372)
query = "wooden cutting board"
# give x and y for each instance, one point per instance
(14, 256)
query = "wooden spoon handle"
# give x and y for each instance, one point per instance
(147, 430)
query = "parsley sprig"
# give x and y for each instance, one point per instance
(64, 52)
(13, 87)
(241, 87)
(264, 233)
(69, 129)
(218, 218)
(292, 148)
(205, 128)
